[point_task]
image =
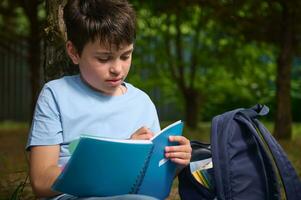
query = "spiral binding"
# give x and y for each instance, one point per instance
(136, 186)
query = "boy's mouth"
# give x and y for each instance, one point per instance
(114, 82)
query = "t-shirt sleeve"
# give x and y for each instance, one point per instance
(46, 128)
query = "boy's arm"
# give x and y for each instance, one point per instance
(44, 169)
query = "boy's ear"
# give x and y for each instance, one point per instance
(72, 52)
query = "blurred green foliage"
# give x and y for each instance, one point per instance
(231, 71)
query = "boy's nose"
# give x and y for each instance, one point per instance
(116, 67)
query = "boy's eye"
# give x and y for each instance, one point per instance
(103, 59)
(125, 57)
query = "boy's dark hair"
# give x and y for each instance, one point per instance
(112, 22)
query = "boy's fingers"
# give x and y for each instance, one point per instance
(180, 148)
(146, 131)
(142, 133)
(180, 139)
(142, 130)
(146, 136)
(181, 155)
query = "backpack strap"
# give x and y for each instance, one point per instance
(216, 137)
(287, 173)
(269, 175)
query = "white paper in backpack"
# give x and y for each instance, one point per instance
(201, 165)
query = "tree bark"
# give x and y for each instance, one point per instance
(34, 61)
(34, 42)
(56, 63)
(192, 107)
(283, 121)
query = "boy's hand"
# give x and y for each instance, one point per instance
(180, 154)
(142, 133)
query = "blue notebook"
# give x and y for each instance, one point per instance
(108, 167)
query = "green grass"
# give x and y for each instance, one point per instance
(11, 125)
(13, 162)
(14, 167)
(297, 130)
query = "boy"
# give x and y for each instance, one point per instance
(100, 34)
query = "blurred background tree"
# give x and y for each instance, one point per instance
(26, 19)
(274, 22)
(56, 62)
(192, 38)
(196, 58)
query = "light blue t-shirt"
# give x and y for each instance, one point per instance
(67, 108)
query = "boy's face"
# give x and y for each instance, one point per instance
(103, 68)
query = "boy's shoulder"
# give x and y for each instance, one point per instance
(63, 86)
(63, 81)
(137, 91)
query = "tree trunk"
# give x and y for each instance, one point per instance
(34, 56)
(192, 107)
(283, 122)
(56, 63)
